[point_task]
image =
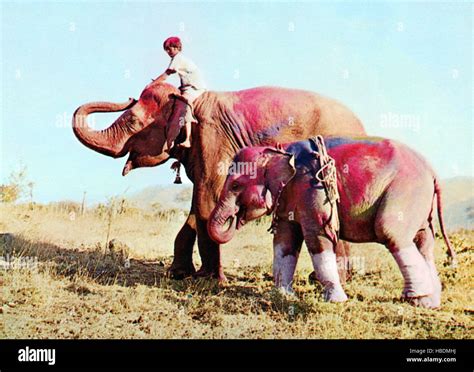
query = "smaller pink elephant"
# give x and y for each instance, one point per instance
(386, 195)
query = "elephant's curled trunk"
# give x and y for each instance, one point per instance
(218, 226)
(110, 141)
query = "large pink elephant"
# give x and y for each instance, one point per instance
(227, 122)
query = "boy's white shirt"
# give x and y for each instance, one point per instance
(187, 71)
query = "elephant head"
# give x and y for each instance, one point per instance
(255, 179)
(139, 131)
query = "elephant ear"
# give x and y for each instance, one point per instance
(279, 170)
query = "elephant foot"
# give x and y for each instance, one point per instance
(214, 274)
(287, 291)
(335, 295)
(432, 301)
(179, 272)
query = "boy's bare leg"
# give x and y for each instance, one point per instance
(187, 130)
(176, 122)
(188, 118)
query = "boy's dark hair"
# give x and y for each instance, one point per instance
(173, 41)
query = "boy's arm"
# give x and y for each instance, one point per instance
(164, 75)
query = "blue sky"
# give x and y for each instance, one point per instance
(404, 68)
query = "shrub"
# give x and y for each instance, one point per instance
(17, 187)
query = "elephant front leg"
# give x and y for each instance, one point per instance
(286, 248)
(182, 265)
(325, 266)
(210, 253)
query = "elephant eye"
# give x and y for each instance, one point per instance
(236, 186)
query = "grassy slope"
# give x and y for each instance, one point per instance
(79, 291)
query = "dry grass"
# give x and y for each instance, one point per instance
(75, 288)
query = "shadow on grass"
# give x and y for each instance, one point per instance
(106, 267)
(113, 267)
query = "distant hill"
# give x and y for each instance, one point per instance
(168, 197)
(458, 200)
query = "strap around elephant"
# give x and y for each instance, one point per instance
(327, 175)
(274, 224)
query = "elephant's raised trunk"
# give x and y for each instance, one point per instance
(110, 141)
(222, 224)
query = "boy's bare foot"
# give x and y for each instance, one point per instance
(168, 147)
(185, 144)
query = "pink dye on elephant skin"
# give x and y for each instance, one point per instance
(386, 193)
(227, 122)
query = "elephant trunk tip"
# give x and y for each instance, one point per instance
(221, 231)
(127, 168)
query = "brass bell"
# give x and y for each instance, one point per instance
(177, 180)
(176, 166)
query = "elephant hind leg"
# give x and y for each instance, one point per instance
(425, 242)
(397, 225)
(418, 288)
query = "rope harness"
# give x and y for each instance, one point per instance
(327, 176)
(274, 224)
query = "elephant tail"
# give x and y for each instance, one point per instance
(439, 203)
